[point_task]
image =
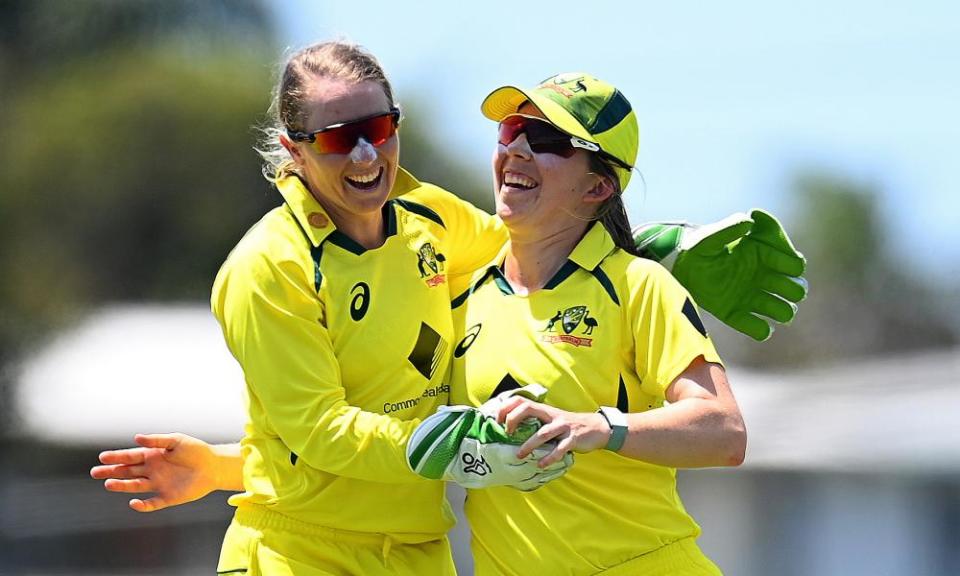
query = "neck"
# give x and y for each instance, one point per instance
(366, 230)
(531, 261)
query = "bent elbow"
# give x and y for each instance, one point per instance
(737, 448)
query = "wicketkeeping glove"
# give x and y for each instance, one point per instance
(742, 269)
(460, 444)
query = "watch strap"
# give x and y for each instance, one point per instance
(617, 421)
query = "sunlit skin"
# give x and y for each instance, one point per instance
(547, 202)
(335, 180)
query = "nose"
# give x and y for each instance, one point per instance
(363, 152)
(520, 147)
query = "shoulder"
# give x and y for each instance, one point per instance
(432, 201)
(636, 276)
(274, 242)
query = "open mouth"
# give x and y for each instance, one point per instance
(365, 181)
(519, 181)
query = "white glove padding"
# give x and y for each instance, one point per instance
(460, 444)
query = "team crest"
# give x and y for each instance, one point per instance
(570, 320)
(430, 263)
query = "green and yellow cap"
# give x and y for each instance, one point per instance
(582, 106)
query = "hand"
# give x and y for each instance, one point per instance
(460, 444)
(492, 406)
(562, 432)
(742, 270)
(177, 467)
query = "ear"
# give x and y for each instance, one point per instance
(292, 149)
(601, 189)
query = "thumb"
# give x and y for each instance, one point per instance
(164, 441)
(711, 239)
(769, 231)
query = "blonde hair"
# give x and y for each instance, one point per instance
(336, 59)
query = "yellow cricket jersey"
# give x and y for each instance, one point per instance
(343, 351)
(609, 329)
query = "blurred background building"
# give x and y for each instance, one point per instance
(127, 174)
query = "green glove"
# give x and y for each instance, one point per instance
(743, 269)
(460, 444)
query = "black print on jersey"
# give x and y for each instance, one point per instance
(467, 341)
(360, 301)
(690, 311)
(508, 383)
(427, 351)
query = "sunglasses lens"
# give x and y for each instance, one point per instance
(342, 139)
(542, 137)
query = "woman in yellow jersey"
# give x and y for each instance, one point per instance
(336, 304)
(634, 384)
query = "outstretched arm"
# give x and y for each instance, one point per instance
(176, 467)
(744, 270)
(701, 426)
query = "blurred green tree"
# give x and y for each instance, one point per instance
(126, 168)
(862, 301)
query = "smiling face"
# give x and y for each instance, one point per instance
(542, 194)
(357, 184)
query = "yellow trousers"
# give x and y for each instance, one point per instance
(260, 542)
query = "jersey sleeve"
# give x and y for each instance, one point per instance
(473, 237)
(271, 320)
(667, 330)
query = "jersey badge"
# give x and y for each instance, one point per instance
(430, 262)
(570, 320)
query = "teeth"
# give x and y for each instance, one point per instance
(519, 180)
(365, 178)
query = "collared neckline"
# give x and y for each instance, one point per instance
(317, 224)
(589, 252)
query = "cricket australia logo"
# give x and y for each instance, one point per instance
(570, 320)
(430, 262)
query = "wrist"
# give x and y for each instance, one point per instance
(226, 467)
(616, 422)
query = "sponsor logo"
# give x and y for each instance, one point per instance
(570, 320)
(469, 338)
(476, 465)
(438, 391)
(430, 263)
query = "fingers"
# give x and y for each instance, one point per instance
(133, 485)
(771, 306)
(750, 325)
(164, 441)
(789, 264)
(786, 287)
(545, 434)
(516, 410)
(128, 456)
(116, 471)
(149, 505)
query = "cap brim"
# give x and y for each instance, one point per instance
(506, 100)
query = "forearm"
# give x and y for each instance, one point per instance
(692, 433)
(227, 467)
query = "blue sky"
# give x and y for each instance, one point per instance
(733, 98)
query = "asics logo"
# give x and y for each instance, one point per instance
(476, 466)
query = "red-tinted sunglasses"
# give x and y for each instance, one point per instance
(544, 138)
(341, 138)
